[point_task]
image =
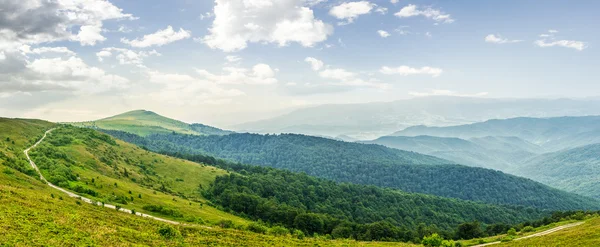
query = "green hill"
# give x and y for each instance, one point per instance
(96, 166)
(576, 170)
(144, 123)
(499, 153)
(369, 165)
(586, 234)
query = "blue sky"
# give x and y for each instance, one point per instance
(230, 61)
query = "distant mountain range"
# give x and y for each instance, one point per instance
(371, 120)
(143, 123)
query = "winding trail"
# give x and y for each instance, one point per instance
(546, 232)
(71, 194)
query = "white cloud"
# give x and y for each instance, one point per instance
(439, 92)
(549, 40)
(430, 13)
(126, 56)
(159, 38)
(349, 11)
(183, 89)
(281, 22)
(497, 39)
(233, 59)
(383, 34)
(59, 74)
(381, 10)
(260, 74)
(25, 49)
(394, 1)
(35, 22)
(315, 64)
(406, 71)
(337, 74)
(573, 44)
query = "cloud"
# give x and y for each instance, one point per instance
(548, 40)
(573, 44)
(183, 89)
(233, 59)
(315, 64)
(383, 34)
(499, 39)
(238, 23)
(36, 22)
(159, 38)
(340, 77)
(439, 92)
(430, 13)
(394, 1)
(406, 71)
(260, 74)
(126, 56)
(72, 74)
(351, 10)
(25, 49)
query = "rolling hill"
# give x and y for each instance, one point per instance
(144, 123)
(369, 165)
(576, 170)
(97, 166)
(500, 153)
(551, 134)
(368, 121)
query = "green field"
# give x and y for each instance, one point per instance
(144, 123)
(587, 234)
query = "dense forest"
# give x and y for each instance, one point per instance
(314, 205)
(369, 165)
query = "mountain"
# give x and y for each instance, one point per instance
(551, 134)
(499, 153)
(106, 170)
(371, 120)
(369, 165)
(144, 123)
(576, 170)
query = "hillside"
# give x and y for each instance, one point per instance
(586, 234)
(499, 153)
(369, 165)
(141, 122)
(548, 133)
(576, 170)
(368, 121)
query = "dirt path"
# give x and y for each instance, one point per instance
(546, 232)
(71, 194)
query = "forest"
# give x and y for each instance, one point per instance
(369, 165)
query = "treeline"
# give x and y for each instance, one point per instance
(369, 165)
(313, 205)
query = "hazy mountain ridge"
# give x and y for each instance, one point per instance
(371, 120)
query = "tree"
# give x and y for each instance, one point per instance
(309, 222)
(469, 230)
(434, 240)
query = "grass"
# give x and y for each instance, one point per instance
(141, 123)
(587, 234)
(124, 174)
(33, 214)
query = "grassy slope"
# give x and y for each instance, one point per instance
(142, 123)
(106, 164)
(31, 216)
(587, 234)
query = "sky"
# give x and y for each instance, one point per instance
(225, 62)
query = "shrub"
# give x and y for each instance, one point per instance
(257, 228)
(511, 232)
(527, 229)
(168, 232)
(448, 243)
(299, 234)
(434, 240)
(226, 224)
(279, 231)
